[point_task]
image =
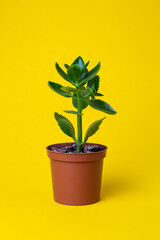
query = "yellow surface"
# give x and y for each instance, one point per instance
(125, 37)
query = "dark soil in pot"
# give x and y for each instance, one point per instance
(72, 148)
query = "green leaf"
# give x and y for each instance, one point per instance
(73, 112)
(94, 84)
(102, 106)
(84, 102)
(85, 66)
(58, 89)
(93, 129)
(99, 94)
(63, 74)
(91, 93)
(66, 66)
(79, 61)
(90, 74)
(74, 73)
(84, 74)
(65, 125)
(70, 89)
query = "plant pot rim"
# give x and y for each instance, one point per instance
(76, 157)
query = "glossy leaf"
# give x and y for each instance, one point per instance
(90, 74)
(93, 128)
(63, 74)
(85, 66)
(79, 61)
(65, 125)
(58, 89)
(99, 94)
(90, 91)
(73, 112)
(70, 89)
(102, 106)
(94, 84)
(66, 66)
(84, 74)
(74, 73)
(84, 102)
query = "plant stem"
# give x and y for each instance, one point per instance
(79, 123)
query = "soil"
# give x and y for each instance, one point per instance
(73, 148)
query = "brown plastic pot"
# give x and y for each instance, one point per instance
(76, 177)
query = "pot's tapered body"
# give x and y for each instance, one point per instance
(76, 177)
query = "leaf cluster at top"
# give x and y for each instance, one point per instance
(85, 85)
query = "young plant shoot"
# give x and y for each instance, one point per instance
(84, 92)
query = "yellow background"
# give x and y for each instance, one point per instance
(125, 37)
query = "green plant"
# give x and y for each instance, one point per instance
(84, 93)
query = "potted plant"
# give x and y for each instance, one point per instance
(77, 166)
